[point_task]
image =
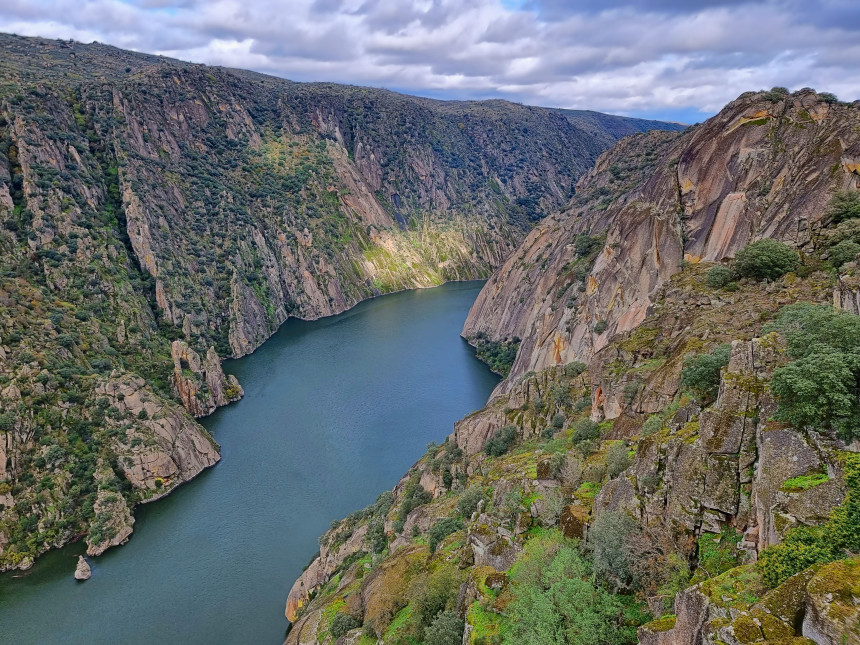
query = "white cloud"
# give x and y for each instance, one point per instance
(667, 57)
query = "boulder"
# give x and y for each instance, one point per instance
(82, 571)
(833, 604)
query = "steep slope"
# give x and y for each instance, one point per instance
(702, 468)
(157, 216)
(765, 166)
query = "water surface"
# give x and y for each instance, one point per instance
(335, 411)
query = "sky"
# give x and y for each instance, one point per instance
(679, 60)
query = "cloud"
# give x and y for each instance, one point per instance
(656, 57)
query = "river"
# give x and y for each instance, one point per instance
(335, 411)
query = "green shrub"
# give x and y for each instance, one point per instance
(442, 529)
(617, 459)
(844, 205)
(819, 391)
(652, 425)
(608, 539)
(342, 623)
(556, 464)
(630, 390)
(574, 369)
(718, 553)
(446, 629)
(776, 94)
(828, 97)
(501, 441)
(558, 420)
(469, 500)
(584, 430)
(765, 259)
(600, 326)
(701, 373)
(820, 387)
(555, 601)
(802, 547)
(844, 252)
(718, 277)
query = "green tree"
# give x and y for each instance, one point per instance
(442, 529)
(701, 373)
(609, 540)
(342, 623)
(718, 277)
(501, 440)
(585, 429)
(819, 390)
(446, 629)
(617, 459)
(765, 259)
(844, 252)
(844, 205)
(554, 600)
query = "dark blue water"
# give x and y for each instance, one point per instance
(335, 411)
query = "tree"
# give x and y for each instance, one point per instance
(844, 205)
(555, 602)
(820, 390)
(501, 440)
(446, 629)
(718, 277)
(469, 500)
(585, 429)
(765, 259)
(342, 623)
(617, 459)
(701, 373)
(609, 539)
(844, 252)
(442, 529)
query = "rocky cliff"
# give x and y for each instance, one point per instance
(648, 436)
(158, 216)
(765, 166)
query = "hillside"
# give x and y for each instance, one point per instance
(675, 456)
(158, 216)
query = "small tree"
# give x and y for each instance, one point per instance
(585, 429)
(609, 539)
(718, 277)
(469, 500)
(844, 205)
(501, 440)
(844, 252)
(446, 629)
(617, 459)
(765, 259)
(342, 623)
(701, 373)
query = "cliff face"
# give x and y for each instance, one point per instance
(684, 500)
(765, 166)
(157, 216)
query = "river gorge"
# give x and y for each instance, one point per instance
(335, 411)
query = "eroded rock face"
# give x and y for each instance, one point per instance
(180, 448)
(201, 385)
(757, 169)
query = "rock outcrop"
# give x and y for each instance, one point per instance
(82, 570)
(201, 385)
